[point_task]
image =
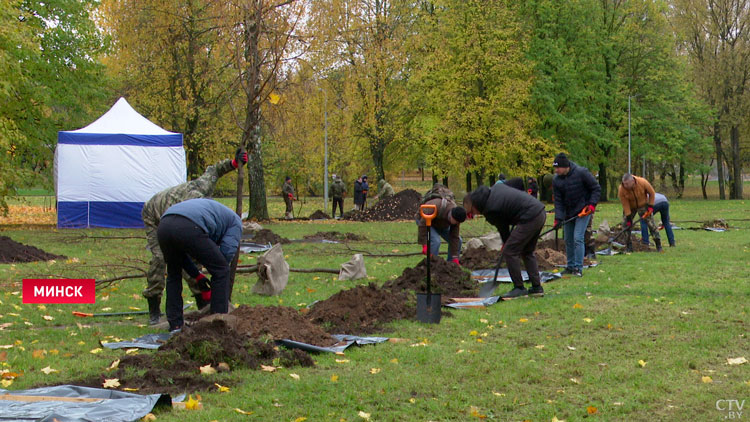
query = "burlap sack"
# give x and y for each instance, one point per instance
(273, 272)
(354, 269)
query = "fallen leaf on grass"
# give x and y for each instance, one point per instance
(523, 320)
(591, 410)
(6, 383)
(111, 383)
(342, 360)
(554, 419)
(334, 378)
(107, 309)
(48, 317)
(295, 376)
(192, 404)
(498, 394)
(571, 348)
(394, 360)
(706, 379)
(374, 370)
(363, 415)
(587, 319)
(207, 370)
(131, 352)
(575, 381)
(539, 346)
(267, 368)
(38, 354)
(54, 352)
(114, 365)
(642, 363)
(222, 389)
(3, 356)
(300, 419)
(47, 370)
(242, 412)
(149, 418)
(129, 389)
(95, 351)
(577, 306)
(736, 361)
(474, 411)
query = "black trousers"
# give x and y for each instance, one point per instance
(340, 203)
(180, 239)
(520, 246)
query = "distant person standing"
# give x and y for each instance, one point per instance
(547, 190)
(661, 205)
(338, 190)
(533, 188)
(288, 192)
(359, 197)
(576, 194)
(365, 190)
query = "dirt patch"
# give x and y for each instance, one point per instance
(447, 278)
(12, 251)
(265, 236)
(550, 259)
(716, 224)
(277, 323)
(174, 368)
(336, 236)
(479, 258)
(401, 206)
(361, 310)
(550, 244)
(319, 215)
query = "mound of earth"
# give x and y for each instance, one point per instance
(278, 323)
(550, 244)
(716, 224)
(12, 251)
(265, 236)
(479, 258)
(401, 206)
(174, 368)
(447, 278)
(319, 215)
(550, 259)
(334, 235)
(361, 310)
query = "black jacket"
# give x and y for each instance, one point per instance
(574, 191)
(534, 188)
(503, 206)
(359, 196)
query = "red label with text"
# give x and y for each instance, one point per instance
(62, 290)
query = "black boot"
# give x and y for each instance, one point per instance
(153, 310)
(658, 245)
(199, 302)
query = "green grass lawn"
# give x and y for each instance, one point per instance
(682, 313)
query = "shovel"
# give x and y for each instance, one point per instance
(428, 304)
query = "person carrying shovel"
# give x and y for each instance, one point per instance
(503, 206)
(447, 223)
(576, 194)
(637, 196)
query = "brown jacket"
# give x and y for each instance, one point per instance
(441, 222)
(641, 195)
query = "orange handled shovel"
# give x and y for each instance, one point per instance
(428, 304)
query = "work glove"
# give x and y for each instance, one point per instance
(648, 213)
(628, 222)
(206, 296)
(203, 283)
(529, 191)
(291, 197)
(587, 210)
(239, 156)
(455, 261)
(556, 225)
(424, 249)
(469, 215)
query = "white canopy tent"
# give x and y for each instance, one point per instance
(105, 172)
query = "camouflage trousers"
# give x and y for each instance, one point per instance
(157, 268)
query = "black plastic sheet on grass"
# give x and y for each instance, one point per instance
(113, 406)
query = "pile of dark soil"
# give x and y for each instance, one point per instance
(319, 215)
(361, 310)
(401, 206)
(174, 368)
(550, 259)
(716, 224)
(277, 323)
(550, 244)
(334, 235)
(12, 251)
(479, 258)
(447, 278)
(267, 236)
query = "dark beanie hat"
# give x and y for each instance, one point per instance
(479, 197)
(459, 214)
(561, 160)
(287, 178)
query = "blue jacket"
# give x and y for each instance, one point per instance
(222, 225)
(574, 191)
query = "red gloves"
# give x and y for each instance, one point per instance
(291, 197)
(529, 191)
(206, 296)
(648, 213)
(240, 155)
(203, 283)
(629, 222)
(424, 249)
(455, 261)
(556, 224)
(587, 210)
